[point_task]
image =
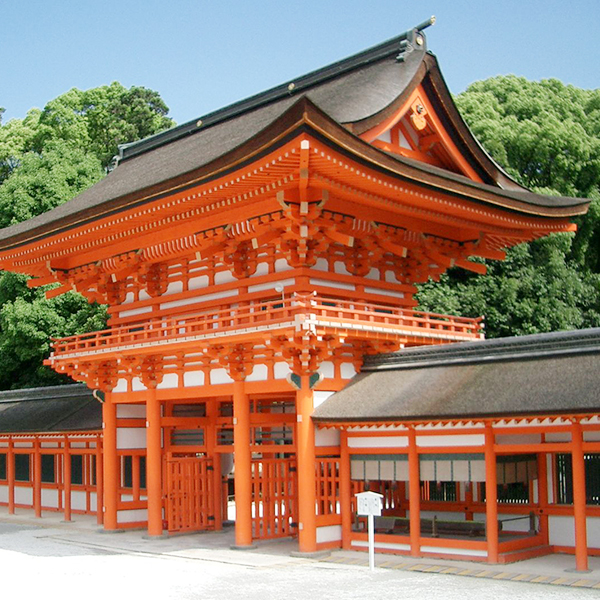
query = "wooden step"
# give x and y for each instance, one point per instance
(524, 554)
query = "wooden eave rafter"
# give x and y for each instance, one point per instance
(441, 424)
(214, 187)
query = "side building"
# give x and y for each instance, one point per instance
(251, 259)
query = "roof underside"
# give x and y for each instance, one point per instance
(50, 410)
(532, 375)
(353, 92)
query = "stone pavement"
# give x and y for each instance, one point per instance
(84, 533)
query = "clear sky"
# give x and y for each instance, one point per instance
(201, 55)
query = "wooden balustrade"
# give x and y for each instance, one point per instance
(286, 312)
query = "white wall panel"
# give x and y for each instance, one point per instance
(192, 378)
(131, 438)
(132, 516)
(131, 411)
(330, 533)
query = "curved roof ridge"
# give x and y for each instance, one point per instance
(293, 86)
(499, 349)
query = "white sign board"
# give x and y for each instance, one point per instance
(369, 503)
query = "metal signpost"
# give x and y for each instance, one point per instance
(369, 504)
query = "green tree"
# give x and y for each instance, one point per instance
(100, 119)
(547, 136)
(46, 159)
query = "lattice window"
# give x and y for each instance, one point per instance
(564, 478)
(328, 485)
(439, 491)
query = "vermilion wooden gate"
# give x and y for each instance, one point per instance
(275, 498)
(189, 493)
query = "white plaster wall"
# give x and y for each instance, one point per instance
(321, 265)
(282, 265)
(347, 370)
(224, 277)
(50, 498)
(24, 496)
(320, 396)
(174, 288)
(120, 387)
(132, 516)
(447, 515)
(78, 445)
(261, 269)
(521, 525)
(78, 501)
(550, 484)
(390, 277)
(525, 438)
(327, 437)
(197, 299)
(3, 493)
(281, 370)
(270, 285)
(327, 369)
(391, 441)
(22, 444)
(219, 376)
(457, 551)
(384, 292)
(259, 373)
(593, 532)
(562, 530)
(196, 283)
(131, 411)
(131, 437)
(135, 311)
(558, 437)
(3, 444)
(340, 267)
(330, 533)
(382, 545)
(49, 444)
(591, 436)
(169, 381)
(332, 284)
(192, 378)
(137, 385)
(435, 441)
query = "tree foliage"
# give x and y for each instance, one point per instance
(47, 158)
(546, 135)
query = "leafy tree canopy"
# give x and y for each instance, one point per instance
(46, 159)
(546, 135)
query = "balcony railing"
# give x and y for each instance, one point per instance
(299, 312)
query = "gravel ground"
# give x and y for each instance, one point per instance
(47, 563)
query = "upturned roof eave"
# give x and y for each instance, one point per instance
(302, 117)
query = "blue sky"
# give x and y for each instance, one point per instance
(201, 55)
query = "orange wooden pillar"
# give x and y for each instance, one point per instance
(243, 466)
(211, 441)
(99, 482)
(37, 479)
(305, 454)
(414, 493)
(491, 495)
(345, 491)
(111, 463)
(10, 476)
(543, 495)
(154, 463)
(67, 478)
(579, 497)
